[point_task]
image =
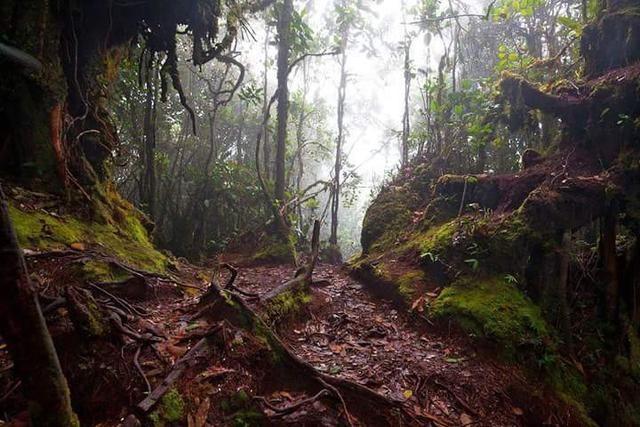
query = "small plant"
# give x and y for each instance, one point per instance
(432, 256)
(511, 279)
(473, 263)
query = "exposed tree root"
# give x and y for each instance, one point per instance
(289, 409)
(232, 307)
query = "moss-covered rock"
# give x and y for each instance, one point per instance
(274, 249)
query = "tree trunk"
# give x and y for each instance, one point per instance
(608, 261)
(406, 124)
(284, 45)
(342, 94)
(563, 305)
(148, 179)
(266, 148)
(23, 327)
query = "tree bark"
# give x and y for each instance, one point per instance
(563, 305)
(608, 226)
(266, 149)
(342, 95)
(23, 326)
(284, 46)
(406, 123)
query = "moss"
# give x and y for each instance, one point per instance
(128, 241)
(170, 410)
(436, 240)
(494, 309)
(276, 250)
(247, 418)
(100, 271)
(387, 218)
(244, 414)
(407, 284)
(286, 305)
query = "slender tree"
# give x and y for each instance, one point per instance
(284, 48)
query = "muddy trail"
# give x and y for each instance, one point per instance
(346, 358)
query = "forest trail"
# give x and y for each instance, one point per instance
(347, 332)
(435, 374)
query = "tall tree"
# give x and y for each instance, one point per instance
(284, 48)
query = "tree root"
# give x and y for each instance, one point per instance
(234, 309)
(280, 412)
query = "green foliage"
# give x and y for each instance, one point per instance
(244, 413)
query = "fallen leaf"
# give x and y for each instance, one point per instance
(407, 394)
(465, 420)
(517, 411)
(78, 246)
(200, 417)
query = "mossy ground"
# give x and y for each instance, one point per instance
(274, 249)
(125, 238)
(170, 410)
(495, 309)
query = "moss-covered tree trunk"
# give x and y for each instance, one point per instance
(23, 326)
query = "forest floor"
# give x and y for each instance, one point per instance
(437, 375)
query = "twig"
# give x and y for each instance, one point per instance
(291, 408)
(136, 363)
(10, 391)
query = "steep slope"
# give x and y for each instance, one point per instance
(540, 263)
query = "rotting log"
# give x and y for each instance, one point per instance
(23, 326)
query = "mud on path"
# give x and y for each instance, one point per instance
(347, 332)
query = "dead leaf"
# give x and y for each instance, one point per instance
(407, 394)
(200, 417)
(78, 246)
(517, 411)
(175, 351)
(465, 420)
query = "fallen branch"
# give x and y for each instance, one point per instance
(199, 350)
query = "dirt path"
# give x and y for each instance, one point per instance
(353, 335)
(344, 332)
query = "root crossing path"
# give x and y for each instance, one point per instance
(439, 374)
